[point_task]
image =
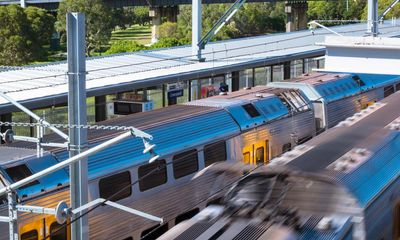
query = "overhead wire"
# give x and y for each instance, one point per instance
(172, 58)
(159, 167)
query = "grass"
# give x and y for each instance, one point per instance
(141, 34)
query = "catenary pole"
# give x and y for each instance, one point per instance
(78, 171)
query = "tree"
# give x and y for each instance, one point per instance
(122, 46)
(42, 26)
(168, 30)
(99, 24)
(15, 36)
(141, 15)
(336, 10)
(383, 4)
(119, 18)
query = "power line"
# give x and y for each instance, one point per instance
(159, 168)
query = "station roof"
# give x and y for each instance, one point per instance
(43, 85)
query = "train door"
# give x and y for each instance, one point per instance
(32, 230)
(257, 153)
(54, 230)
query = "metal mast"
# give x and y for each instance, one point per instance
(76, 46)
(372, 23)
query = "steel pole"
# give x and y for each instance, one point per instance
(372, 23)
(12, 213)
(196, 28)
(76, 47)
(66, 163)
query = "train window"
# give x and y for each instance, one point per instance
(246, 157)
(156, 178)
(387, 91)
(20, 172)
(358, 80)
(398, 87)
(215, 152)
(31, 235)
(251, 110)
(115, 183)
(286, 147)
(396, 221)
(154, 232)
(187, 215)
(185, 163)
(260, 155)
(58, 232)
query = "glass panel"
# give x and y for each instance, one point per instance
(245, 78)
(185, 163)
(112, 184)
(251, 110)
(58, 232)
(297, 68)
(260, 155)
(277, 74)
(31, 235)
(215, 152)
(262, 76)
(156, 178)
(154, 232)
(23, 118)
(20, 172)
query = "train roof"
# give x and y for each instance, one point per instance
(333, 86)
(175, 127)
(18, 163)
(362, 153)
(257, 105)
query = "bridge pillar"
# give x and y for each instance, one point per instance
(296, 15)
(23, 3)
(159, 15)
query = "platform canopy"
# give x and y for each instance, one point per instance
(377, 55)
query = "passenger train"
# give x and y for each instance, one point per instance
(342, 184)
(250, 126)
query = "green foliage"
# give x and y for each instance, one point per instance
(383, 4)
(125, 46)
(141, 15)
(252, 19)
(119, 18)
(23, 32)
(167, 30)
(99, 23)
(168, 42)
(42, 25)
(336, 10)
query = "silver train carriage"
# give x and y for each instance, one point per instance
(342, 184)
(188, 138)
(338, 96)
(250, 125)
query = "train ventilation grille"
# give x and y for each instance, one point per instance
(195, 231)
(252, 232)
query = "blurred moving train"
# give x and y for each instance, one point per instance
(252, 126)
(342, 184)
